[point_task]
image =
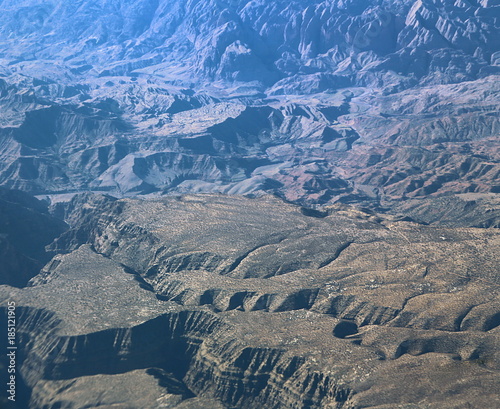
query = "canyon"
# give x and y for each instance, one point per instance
(240, 203)
(220, 301)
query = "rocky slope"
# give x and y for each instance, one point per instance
(174, 299)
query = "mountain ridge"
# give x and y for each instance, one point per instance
(155, 97)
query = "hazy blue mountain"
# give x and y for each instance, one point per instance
(351, 42)
(317, 101)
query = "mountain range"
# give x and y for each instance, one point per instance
(231, 204)
(317, 102)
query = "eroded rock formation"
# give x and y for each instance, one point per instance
(225, 302)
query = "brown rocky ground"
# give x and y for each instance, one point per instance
(212, 301)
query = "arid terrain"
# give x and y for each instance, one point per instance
(234, 204)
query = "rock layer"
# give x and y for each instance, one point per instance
(237, 303)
